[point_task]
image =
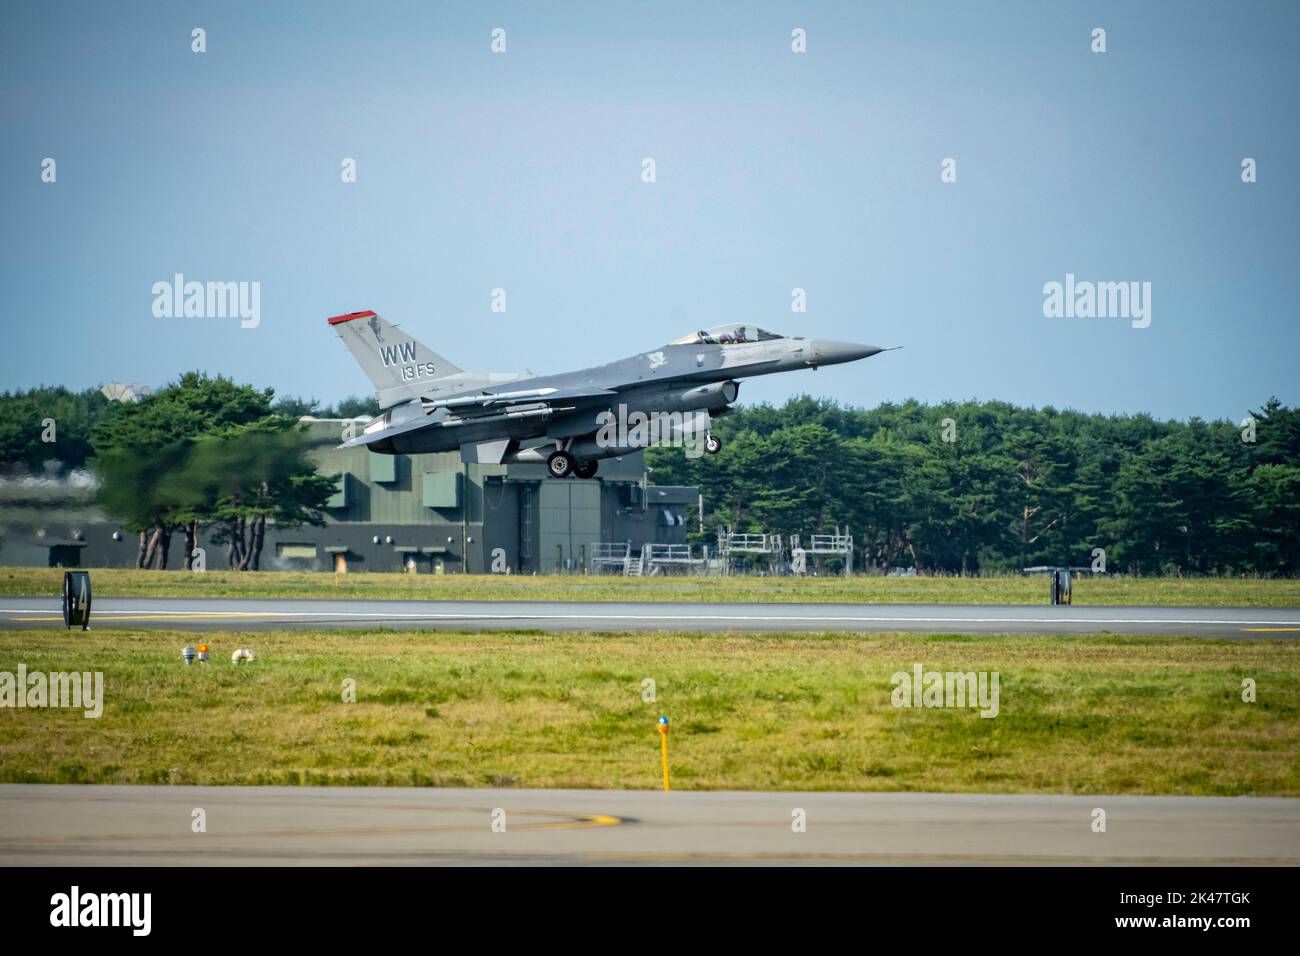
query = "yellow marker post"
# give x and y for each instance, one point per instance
(663, 741)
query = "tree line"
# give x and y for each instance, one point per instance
(25, 446)
(960, 487)
(201, 453)
(988, 486)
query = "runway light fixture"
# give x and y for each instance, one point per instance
(187, 652)
(663, 747)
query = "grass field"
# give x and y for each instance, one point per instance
(763, 712)
(1007, 589)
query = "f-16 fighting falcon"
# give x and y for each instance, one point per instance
(427, 404)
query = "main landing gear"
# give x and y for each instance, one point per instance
(561, 464)
(712, 444)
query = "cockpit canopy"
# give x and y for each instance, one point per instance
(727, 335)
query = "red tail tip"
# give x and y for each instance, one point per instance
(336, 319)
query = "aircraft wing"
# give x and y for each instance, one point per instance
(484, 407)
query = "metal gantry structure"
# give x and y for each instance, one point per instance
(839, 544)
(611, 557)
(618, 557)
(732, 543)
(676, 558)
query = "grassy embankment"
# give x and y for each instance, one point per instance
(765, 712)
(1007, 589)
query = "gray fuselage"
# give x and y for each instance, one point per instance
(686, 378)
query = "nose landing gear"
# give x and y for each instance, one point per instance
(712, 444)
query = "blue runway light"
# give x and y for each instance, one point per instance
(663, 720)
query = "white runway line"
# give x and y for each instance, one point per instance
(532, 616)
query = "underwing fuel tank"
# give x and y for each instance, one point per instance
(713, 397)
(681, 398)
(674, 428)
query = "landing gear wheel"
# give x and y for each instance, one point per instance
(559, 464)
(585, 469)
(712, 445)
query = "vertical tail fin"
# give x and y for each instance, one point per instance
(399, 367)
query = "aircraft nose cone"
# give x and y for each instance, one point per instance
(833, 353)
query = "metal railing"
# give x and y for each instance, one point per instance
(609, 556)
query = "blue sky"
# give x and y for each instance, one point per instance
(774, 171)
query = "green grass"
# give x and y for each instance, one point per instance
(762, 712)
(1004, 589)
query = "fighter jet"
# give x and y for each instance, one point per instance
(427, 404)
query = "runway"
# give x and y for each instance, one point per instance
(203, 614)
(116, 825)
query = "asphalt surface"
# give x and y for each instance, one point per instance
(200, 614)
(113, 825)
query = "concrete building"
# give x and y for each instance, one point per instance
(428, 513)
